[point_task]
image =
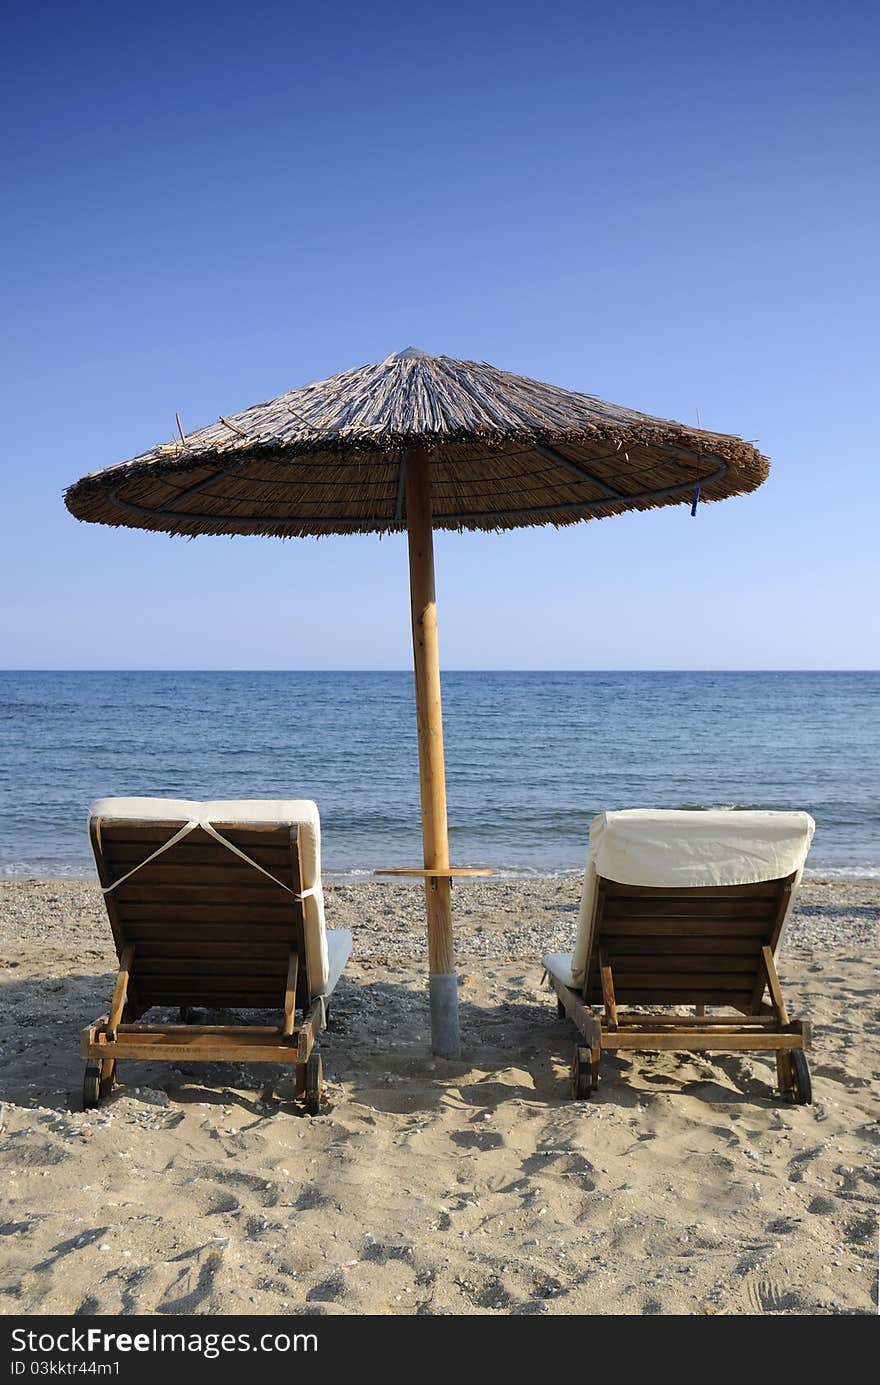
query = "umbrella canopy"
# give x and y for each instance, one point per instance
(416, 443)
(328, 458)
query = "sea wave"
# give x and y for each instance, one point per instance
(842, 873)
(63, 870)
(531, 757)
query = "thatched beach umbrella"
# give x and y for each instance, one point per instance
(418, 442)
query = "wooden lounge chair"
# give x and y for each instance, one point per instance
(213, 904)
(685, 909)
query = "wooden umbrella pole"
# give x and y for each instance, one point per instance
(443, 983)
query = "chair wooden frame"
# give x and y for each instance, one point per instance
(162, 963)
(698, 947)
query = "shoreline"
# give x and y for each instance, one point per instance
(362, 876)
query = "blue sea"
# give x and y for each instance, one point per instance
(530, 757)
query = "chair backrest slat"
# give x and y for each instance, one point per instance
(208, 928)
(685, 946)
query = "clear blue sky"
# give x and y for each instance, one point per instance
(673, 206)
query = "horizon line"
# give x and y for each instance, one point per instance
(408, 670)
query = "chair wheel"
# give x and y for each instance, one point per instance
(803, 1085)
(314, 1074)
(795, 1082)
(581, 1073)
(91, 1086)
(561, 1012)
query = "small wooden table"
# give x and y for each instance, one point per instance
(449, 873)
(422, 872)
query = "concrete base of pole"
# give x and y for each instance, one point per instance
(443, 994)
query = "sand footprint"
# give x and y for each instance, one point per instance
(477, 1139)
(194, 1281)
(768, 1295)
(796, 1170)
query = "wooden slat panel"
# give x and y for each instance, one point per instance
(140, 890)
(274, 858)
(244, 934)
(231, 1052)
(244, 985)
(116, 928)
(208, 929)
(697, 962)
(266, 911)
(684, 927)
(156, 833)
(220, 875)
(644, 1019)
(669, 980)
(679, 996)
(683, 947)
(188, 951)
(184, 990)
(617, 946)
(697, 1043)
(764, 889)
(160, 1033)
(203, 945)
(219, 1000)
(264, 969)
(198, 1043)
(683, 907)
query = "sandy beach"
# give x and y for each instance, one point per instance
(684, 1186)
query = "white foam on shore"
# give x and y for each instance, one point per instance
(45, 870)
(843, 873)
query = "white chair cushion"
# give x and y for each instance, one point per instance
(559, 965)
(339, 942)
(667, 849)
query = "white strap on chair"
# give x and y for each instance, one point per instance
(212, 831)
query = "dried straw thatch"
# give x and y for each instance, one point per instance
(327, 459)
